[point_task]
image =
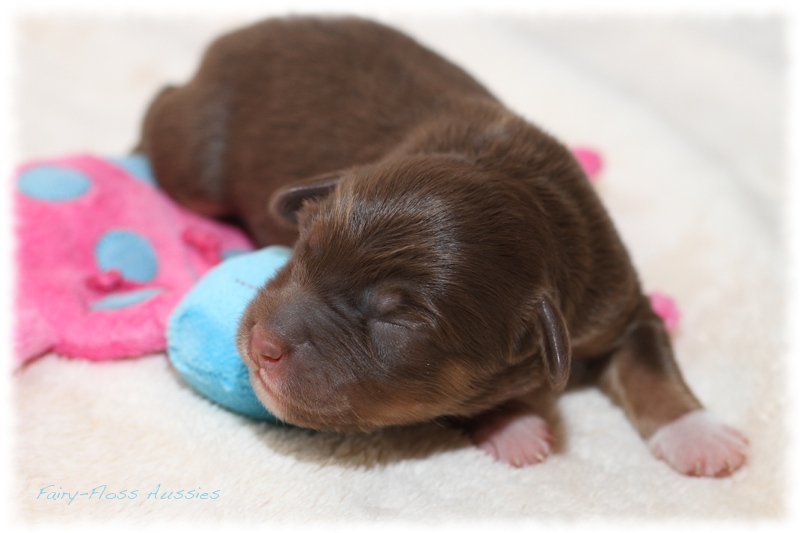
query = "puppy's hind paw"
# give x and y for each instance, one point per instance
(516, 438)
(698, 444)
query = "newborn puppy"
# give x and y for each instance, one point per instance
(450, 259)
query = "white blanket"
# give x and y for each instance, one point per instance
(688, 115)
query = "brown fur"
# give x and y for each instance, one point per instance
(449, 257)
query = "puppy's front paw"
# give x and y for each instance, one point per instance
(698, 444)
(516, 438)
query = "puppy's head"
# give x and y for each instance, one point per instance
(413, 292)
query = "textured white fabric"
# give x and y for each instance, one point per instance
(689, 117)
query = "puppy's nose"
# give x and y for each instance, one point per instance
(263, 347)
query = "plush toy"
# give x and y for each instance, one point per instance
(103, 257)
(201, 334)
(667, 309)
(590, 160)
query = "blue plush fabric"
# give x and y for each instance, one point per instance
(201, 334)
(53, 183)
(137, 166)
(118, 300)
(127, 251)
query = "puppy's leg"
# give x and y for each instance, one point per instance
(185, 136)
(514, 434)
(644, 379)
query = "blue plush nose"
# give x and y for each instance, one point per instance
(201, 334)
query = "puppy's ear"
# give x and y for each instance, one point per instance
(556, 349)
(546, 333)
(287, 201)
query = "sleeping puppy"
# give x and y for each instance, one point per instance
(450, 259)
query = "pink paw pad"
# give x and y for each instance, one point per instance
(698, 444)
(516, 438)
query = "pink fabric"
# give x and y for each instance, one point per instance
(590, 160)
(664, 306)
(58, 277)
(667, 309)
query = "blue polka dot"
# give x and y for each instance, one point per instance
(123, 299)
(138, 166)
(53, 183)
(131, 254)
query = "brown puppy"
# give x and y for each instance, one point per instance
(450, 259)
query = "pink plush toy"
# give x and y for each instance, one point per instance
(590, 161)
(667, 309)
(103, 257)
(664, 306)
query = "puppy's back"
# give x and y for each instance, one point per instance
(291, 98)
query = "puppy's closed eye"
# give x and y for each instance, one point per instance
(394, 323)
(385, 301)
(392, 305)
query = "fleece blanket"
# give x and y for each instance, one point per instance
(688, 115)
